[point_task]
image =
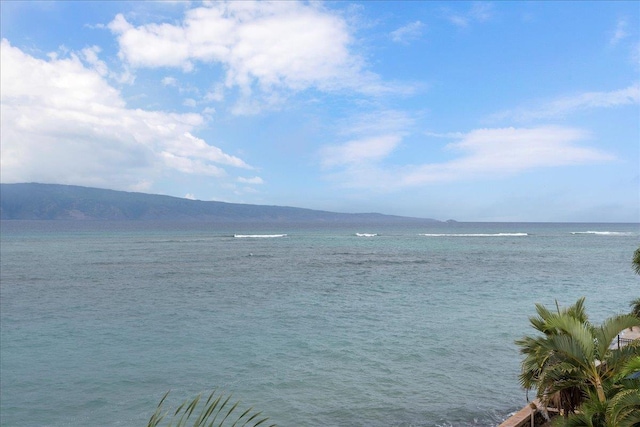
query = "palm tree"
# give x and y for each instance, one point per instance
(537, 358)
(592, 414)
(573, 357)
(622, 407)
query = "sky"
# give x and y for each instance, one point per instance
(473, 111)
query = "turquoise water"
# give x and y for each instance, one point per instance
(314, 325)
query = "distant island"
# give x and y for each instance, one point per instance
(33, 201)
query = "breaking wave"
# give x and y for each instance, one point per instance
(258, 236)
(366, 234)
(604, 233)
(477, 235)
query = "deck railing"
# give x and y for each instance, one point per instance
(623, 341)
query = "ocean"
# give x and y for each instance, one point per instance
(313, 324)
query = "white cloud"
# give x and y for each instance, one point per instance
(620, 33)
(382, 122)
(190, 102)
(191, 166)
(364, 150)
(141, 186)
(263, 46)
(480, 154)
(407, 33)
(374, 137)
(62, 122)
(495, 153)
(479, 12)
(247, 190)
(216, 94)
(255, 180)
(90, 55)
(635, 54)
(570, 104)
(169, 81)
(190, 196)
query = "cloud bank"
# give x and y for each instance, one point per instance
(63, 123)
(479, 154)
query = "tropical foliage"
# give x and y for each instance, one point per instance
(573, 365)
(620, 409)
(635, 304)
(635, 307)
(213, 412)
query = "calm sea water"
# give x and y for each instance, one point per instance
(314, 325)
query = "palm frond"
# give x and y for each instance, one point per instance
(574, 365)
(208, 412)
(611, 328)
(636, 261)
(591, 414)
(624, 408)
(619, 363)
(635, 304)
(578, 311)
(571, 349)
(632, 364)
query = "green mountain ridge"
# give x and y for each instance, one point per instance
(34, 201)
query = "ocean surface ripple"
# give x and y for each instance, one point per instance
(312, 324)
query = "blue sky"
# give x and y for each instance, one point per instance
(476, 111)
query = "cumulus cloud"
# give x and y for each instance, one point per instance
(264, 46)
(570, 104)
(62, 122)
(90, 55)
(479, 154)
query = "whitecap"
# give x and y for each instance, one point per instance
(604, 233)
(258, 236)
(366, 234)
(476, 235)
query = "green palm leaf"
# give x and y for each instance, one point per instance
(636, 261)
(216, 406)
(611, 328)
(574, 366)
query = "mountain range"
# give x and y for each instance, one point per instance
(33, 201)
